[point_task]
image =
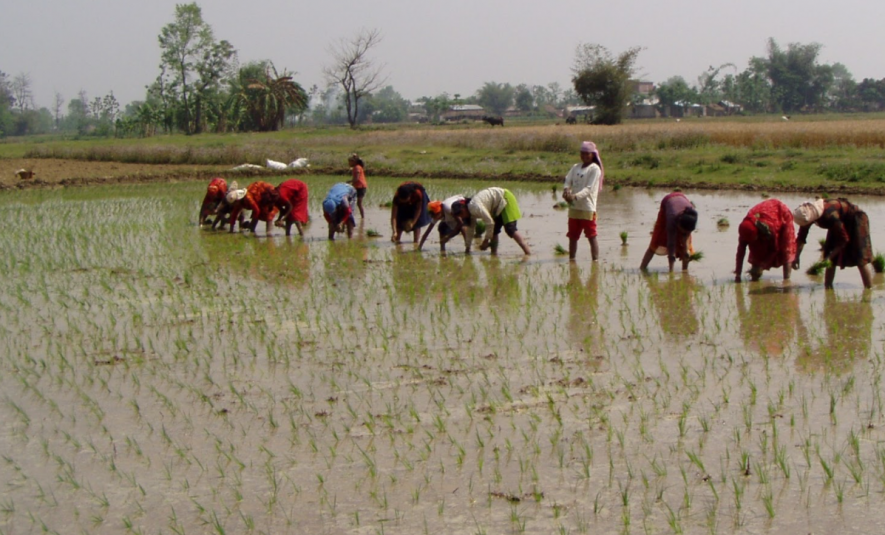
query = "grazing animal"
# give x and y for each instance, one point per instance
(493, 121)
(571, 119)
(24, 174)
(785, 118)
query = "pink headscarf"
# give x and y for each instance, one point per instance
(589, 146)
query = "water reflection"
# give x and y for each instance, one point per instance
(848, 322)
(673, 298)
(583, 297)
(769, 318)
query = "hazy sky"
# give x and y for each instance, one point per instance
(428, 48)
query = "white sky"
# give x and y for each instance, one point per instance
(428, 48)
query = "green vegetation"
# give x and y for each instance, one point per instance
(829, 153)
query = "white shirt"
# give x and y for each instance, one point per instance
(584, 185)
(447, 209)
(486, 205)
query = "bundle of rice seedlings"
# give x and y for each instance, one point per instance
(560, 250)
(819, 267)
(879, 262)
(696, 256)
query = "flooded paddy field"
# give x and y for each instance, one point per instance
(160, 378)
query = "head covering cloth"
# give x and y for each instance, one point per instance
(590, 148)
(808, 212)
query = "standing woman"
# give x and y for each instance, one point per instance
(582, 185)
(848, 236)
(768, 232)
(292, 202)
(214, 195)
(671, 236)
(497, 207)
(358, 168)
(409, 212)
(338, 209)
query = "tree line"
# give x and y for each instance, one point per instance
(201, 87)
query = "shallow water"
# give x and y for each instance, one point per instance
(161, 378)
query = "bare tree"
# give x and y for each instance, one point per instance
(354, 71)
(57, 105)
(22, 92)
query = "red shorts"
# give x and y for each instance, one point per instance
(576, 226)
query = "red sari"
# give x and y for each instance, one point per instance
(294, 193)
(260, 200)
(767, 230)
(214, 194)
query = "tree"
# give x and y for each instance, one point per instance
(197, 61)
(674, 92)
(386, 106)
(6, 101)
(495, 97)
(22, 92)
(709, 86)
(798, 82)
(602, 80)
(523, 99)
(56, 107)
(436, 106)
(355, 71)
(266, 95)
(752, 86)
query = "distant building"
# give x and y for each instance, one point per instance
(642, 88)
(463, 112)
(579, 114)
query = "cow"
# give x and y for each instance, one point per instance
(24, 174)
(493, 121)
(571, 119)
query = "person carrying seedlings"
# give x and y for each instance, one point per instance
(848, 241)
(358, 169)
(767, 230)
(582, 185)
(260, 198)
(291, 199)
(234, 198)
(214, 195)
(497, 207)
(671, 236)
(338, 209)
(449, 225)
(408, 213)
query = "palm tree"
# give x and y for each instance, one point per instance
(264, 99)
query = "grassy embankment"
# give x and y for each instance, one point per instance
(829, 153)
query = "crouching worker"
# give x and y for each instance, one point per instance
(225, 209)
(214, 196)
(768, 232)
(260, 198)
(408, 211)
(497, 207)
(338, 209)
(292, 202)
(449, 225)
(671, 236)
(848, 241)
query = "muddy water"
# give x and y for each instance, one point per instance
(160, 378)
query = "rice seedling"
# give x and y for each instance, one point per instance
(818, 267)
(722, 222)
(696, 256)
(372, 233)
(559, 250)
(623, 236)
(879, 263)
